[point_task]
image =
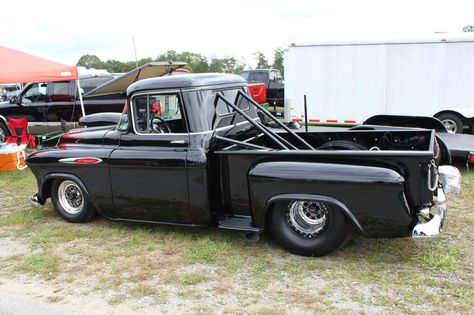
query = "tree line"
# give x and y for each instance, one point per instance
(196, 63)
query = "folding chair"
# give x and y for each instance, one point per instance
(19, 133)
(51, 136)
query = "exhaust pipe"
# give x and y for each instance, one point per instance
(251, 237)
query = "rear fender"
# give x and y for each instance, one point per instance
(373, 198)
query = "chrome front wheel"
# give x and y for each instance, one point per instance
(70, 197)
(71, 200)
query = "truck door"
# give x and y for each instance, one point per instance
(61, 104)
(32, 104)
(275, 92)
(148, 169)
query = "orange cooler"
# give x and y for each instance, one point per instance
(12, 157)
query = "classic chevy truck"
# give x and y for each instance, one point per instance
(190, 150)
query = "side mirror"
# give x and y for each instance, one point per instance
(15, 100)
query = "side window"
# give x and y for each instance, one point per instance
(278, 76)
(272, 76)
(123, 123)
(60, 92)
(257, 77)
(223, 109)
(36, 93)
(158, 113)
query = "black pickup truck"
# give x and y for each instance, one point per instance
(190, 150)
(46, 104)
(273, 82)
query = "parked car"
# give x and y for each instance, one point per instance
(190, 150)
(11, 90)
(273, 82)
(46, 104)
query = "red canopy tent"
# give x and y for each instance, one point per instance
(19, 67)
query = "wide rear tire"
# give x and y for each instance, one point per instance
(71, 202)
(317, 231)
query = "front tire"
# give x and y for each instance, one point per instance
(71, 202)
(3, 131)
(309, 228)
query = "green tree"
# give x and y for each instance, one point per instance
(226, 65)
(468, 28)
(278, 60)
(262, 62)
(196, 63)
(89, 61)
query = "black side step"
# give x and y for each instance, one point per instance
(238, 223)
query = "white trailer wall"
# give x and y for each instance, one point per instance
(352, 81)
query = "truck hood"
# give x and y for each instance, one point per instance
(119, 85)
(85, 136)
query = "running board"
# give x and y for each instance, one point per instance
(238, 223)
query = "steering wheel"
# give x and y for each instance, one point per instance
(159, 125)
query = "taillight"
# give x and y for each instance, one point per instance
(471, 157)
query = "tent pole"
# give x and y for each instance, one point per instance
(80, 97)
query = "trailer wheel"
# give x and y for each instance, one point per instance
(70, 201)
(452, 122)
(309, 227)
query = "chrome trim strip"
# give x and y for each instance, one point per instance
(72, 160)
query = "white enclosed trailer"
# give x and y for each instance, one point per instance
(349, 81)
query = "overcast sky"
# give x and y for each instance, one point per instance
(65, 30)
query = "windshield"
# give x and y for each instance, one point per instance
(123, 123)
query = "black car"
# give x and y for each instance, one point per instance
(190, 150)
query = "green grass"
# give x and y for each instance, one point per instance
(206, 269)
(205, 251)
(22, 217)
(39, 263)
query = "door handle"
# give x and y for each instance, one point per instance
(178, 142)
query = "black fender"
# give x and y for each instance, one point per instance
(373, 198)
(44, 188)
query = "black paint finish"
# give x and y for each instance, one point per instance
(195, 178)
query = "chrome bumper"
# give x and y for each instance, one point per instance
(34, 200)
(431, 220)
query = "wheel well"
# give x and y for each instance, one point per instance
(47, 185)
(451, 112)
(49, 180)
(273, 202)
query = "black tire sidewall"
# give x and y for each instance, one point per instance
(4, 129)
(334, 235)
(86, 214)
